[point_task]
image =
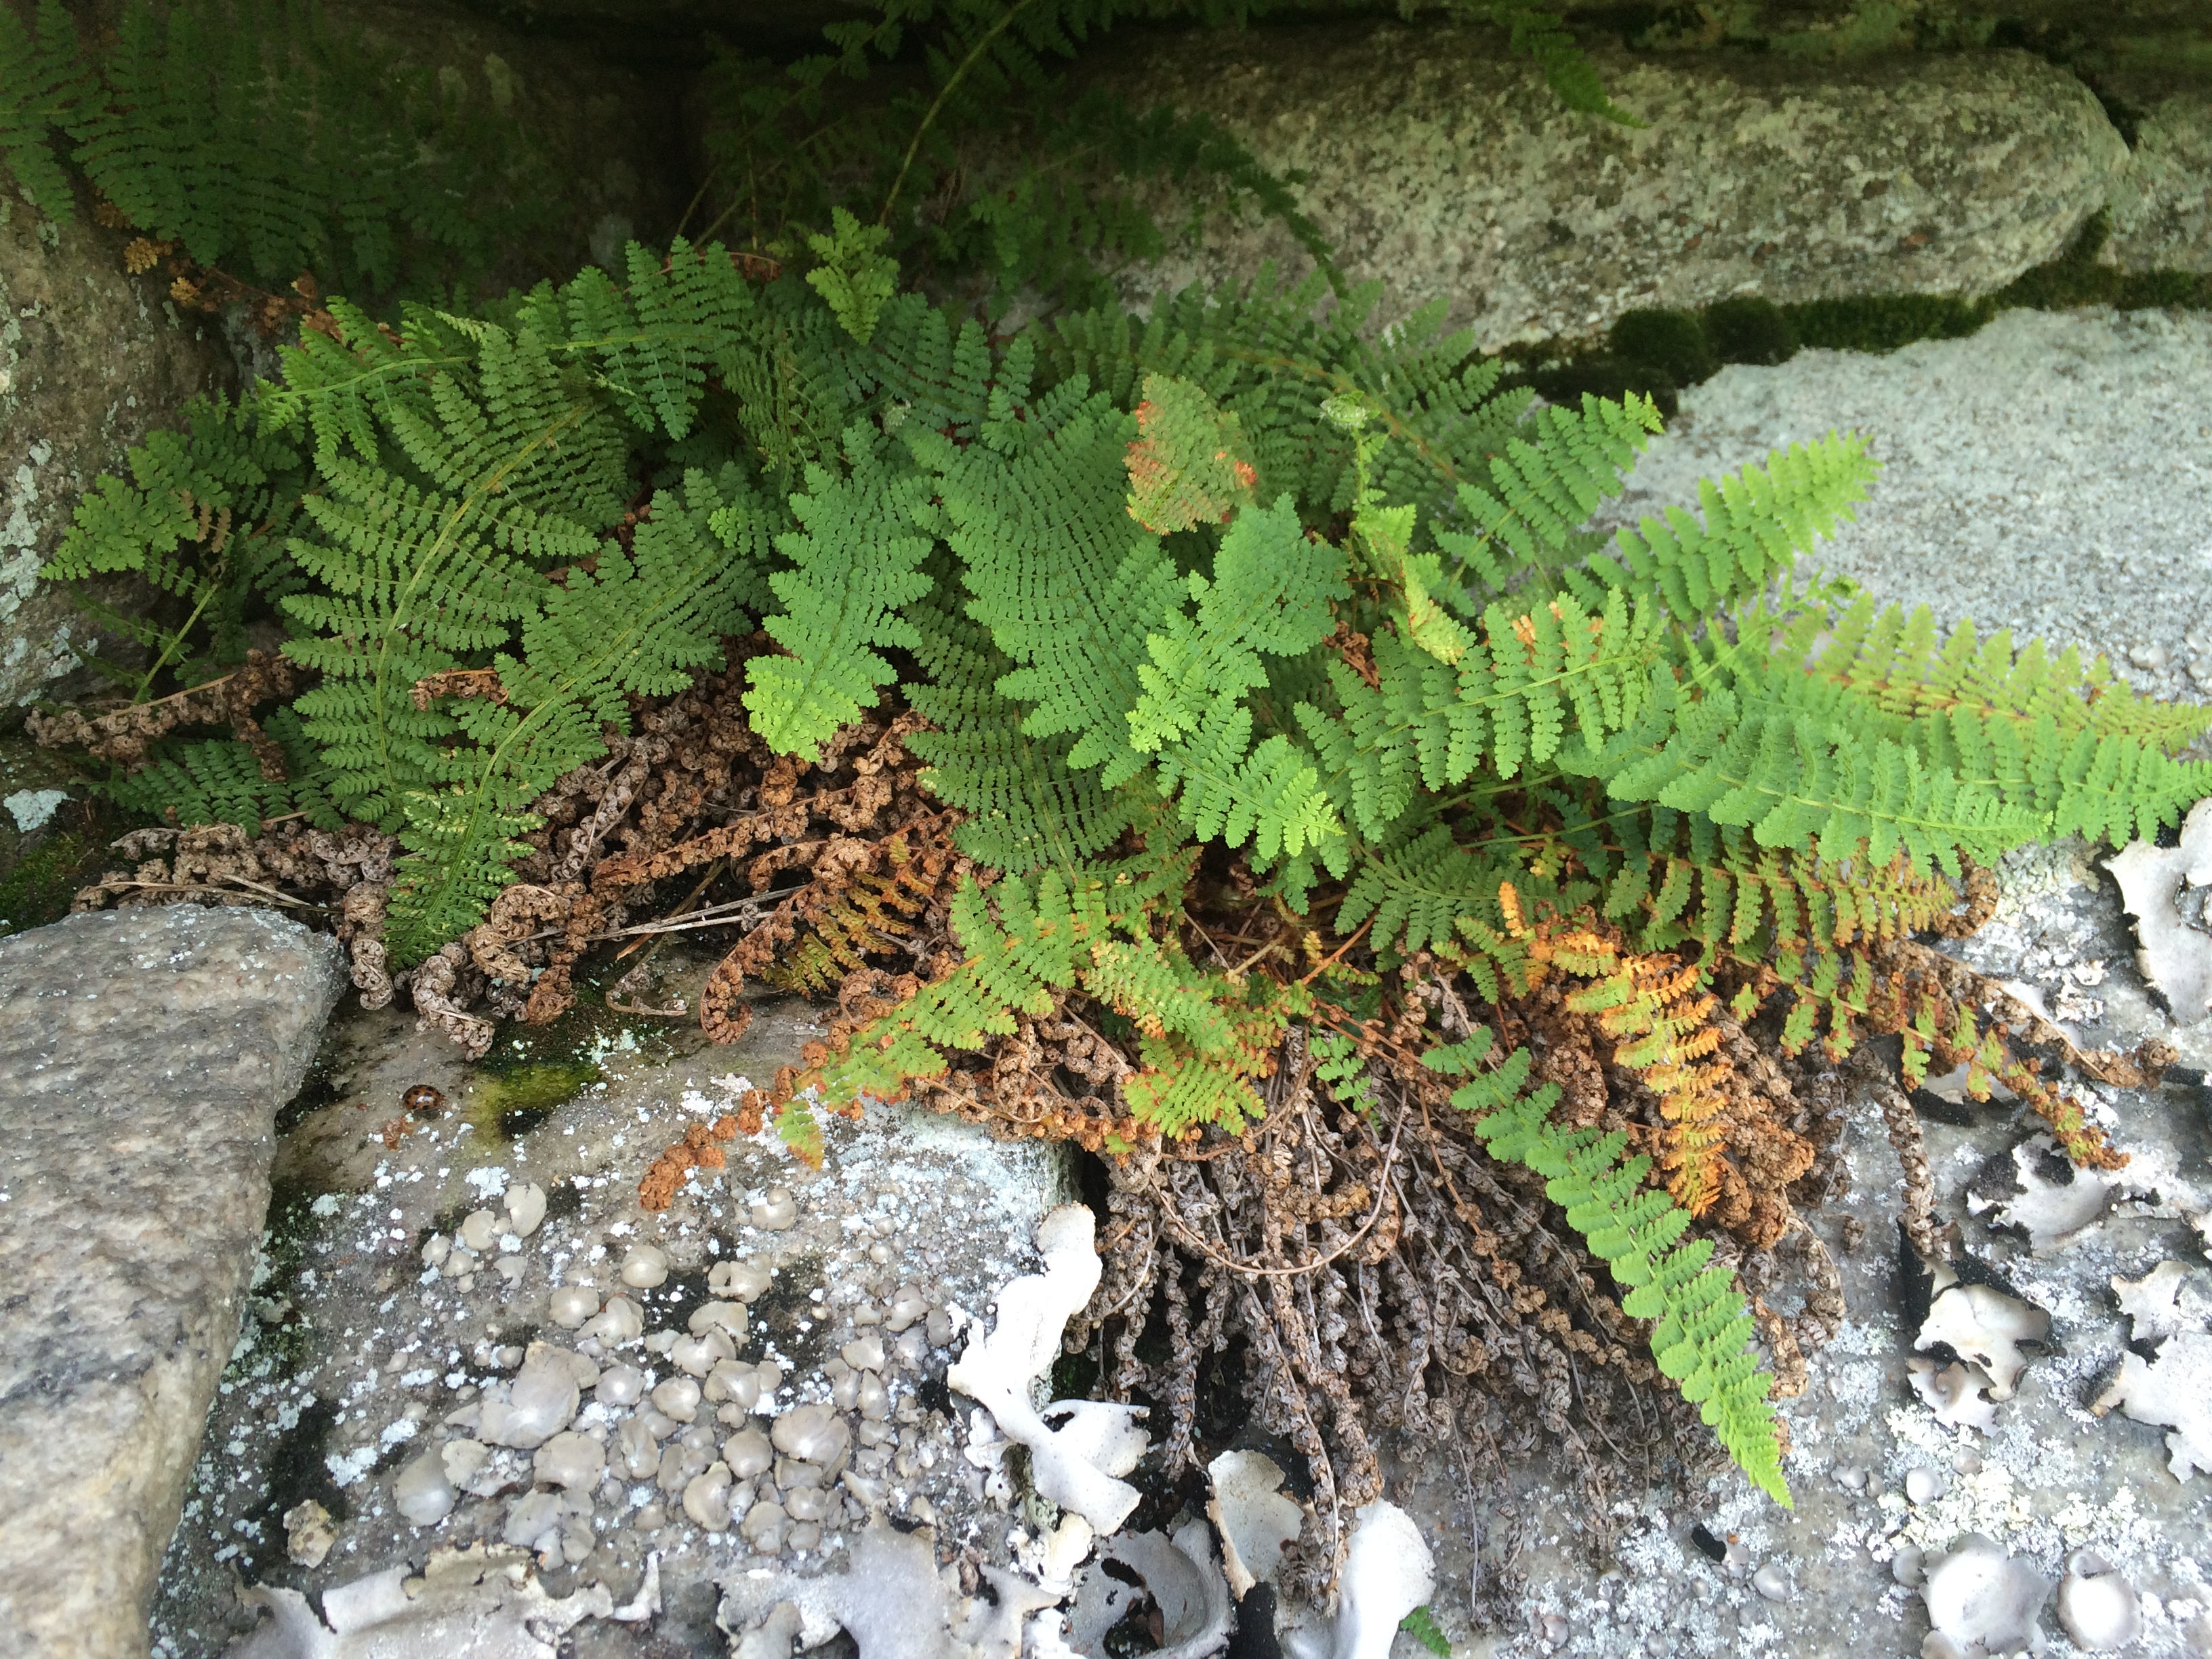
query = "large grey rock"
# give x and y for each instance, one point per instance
(91, 359)
(1448, 171)
(142, 1056)
(2162, 206)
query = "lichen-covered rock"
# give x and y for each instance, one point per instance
(1451, 172)
(91, 358)
(143, 1054)
(2163, 205)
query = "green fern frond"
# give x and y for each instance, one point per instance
(1755, 524)
(856, 562)
(43, 85)
(1703, 1335)
(1546, 481)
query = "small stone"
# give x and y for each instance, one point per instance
(423, 1493)
(646, 1267)
(679, 1464)
(765, 1525)
(748, 1453)
(812, 1434)
(728, 1317)
(776, 1213)
(478, 1231)
(908, 1305)
(1851, 1479)
(939, 1328)
(1908, 1566)
(512, 1269)
(1923, 1484)
(845, 1387)
(652, 1518)
(570, 1305)
(620, 1385)
(636, 1449)
(576, 1539)
(526, 1208)
(657, 1424)
(435, 1250)
(620, 1321)
(462, 1459)
(706, 1498)
(881, 1254)
(678, 1397)
(2097, 1606)
(2152, 657)
(803, 1537)
(1771, 1581)
(660, 1342)
(746, 1280)
(698, 1355)
(771, 1377)
(308, 1534)
(1966, 1460)
(912, 1348)
(2200, 670)
(864, 1353)
(570, 1459)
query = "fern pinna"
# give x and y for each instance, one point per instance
(1277, 703)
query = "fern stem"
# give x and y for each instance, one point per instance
(929, 120)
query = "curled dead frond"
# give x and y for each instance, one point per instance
(123, 735)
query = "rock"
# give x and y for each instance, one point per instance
(143, 1054)
(812, 1434)
(540, 1403)
(308, 1534)
(526, 1208)
(748, 1453)
(2162, 206)
(91, 359)
(479, 1230)
(776, 1212)
(706, 1498)
(1448, 171)
(570, 1459)
(1923, 1484)
(1772, 1581)
(570, 1305)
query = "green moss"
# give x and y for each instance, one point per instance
(512, 1102)
(1749, 329)
(39, 882)
(1883, 322)
(1672, 342)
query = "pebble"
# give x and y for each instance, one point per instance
(571, 1305)
(2148, 656)
(812, 1434)
(1909, 1566)
(1923, 1484)
(1772, 1581)
(645, 1266)
(437, 1249)
(864, 1353)
(308, 1534)
(706, 1498)
(2097, 1606)
(939, 1328)
(809, 1503)
(526, 1208)
(1851, 1479)
(748, 1453)
(571, 1460)
(728, 1317)
(874, 1399)
(746, 1280)
(423, 1493)
(1966, 1460)
(479, 1230)
(679, 1398)
(776, 1212)
(532, 1515)
(913, 1348)
(512, 1269)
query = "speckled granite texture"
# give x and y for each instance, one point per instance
(143, 1054)
(1448, 172)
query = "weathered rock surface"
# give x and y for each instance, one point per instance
(1449, 174)
(142, 1056)
(2163, 205)
(90, 360)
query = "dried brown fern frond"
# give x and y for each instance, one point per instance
(122, 735)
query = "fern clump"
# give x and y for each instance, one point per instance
(1192, 735)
